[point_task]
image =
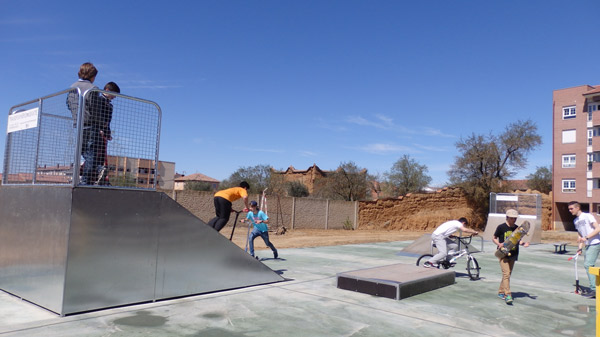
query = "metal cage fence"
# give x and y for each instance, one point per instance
(100, 139)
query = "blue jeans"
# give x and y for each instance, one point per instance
(265, 236)
(589, 260)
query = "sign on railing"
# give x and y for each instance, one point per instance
(100, 139)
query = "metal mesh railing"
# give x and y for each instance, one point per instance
(101, 139)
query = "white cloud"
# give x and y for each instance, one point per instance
(380, 148)
(308, 154)
(433, 148)
(381, 121)
(435, 132)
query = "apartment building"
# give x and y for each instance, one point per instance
(576, 152)
(140, 172)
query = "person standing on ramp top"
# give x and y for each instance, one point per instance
(223, 200)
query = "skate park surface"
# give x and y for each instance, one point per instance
(308, 303)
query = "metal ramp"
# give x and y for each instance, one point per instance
(72, 250)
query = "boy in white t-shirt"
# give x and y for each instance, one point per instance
(441, 239)
(588, 230)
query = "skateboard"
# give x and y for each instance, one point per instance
(513, 240)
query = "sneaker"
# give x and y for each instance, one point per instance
(590, 294)
(275, 255)
(428, 265)
(508, 299)
(501, 296)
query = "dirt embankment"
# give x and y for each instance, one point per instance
(426, 211)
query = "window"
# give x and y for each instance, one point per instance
(590, 135)
(568, 185)
(568, 136)
(592, 108)
(569, 112)
(568, 160)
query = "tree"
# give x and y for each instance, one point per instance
(407, 176)
(257, 176)
(486, 161)
(541, 179)
(198, 186)
(348, 182)
(297, 189)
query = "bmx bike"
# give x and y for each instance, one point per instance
(450, 261)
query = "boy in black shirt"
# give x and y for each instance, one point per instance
(503, 231)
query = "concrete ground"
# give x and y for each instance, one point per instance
(309, 304)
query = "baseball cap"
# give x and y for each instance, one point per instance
(253, 203)
(511, 213)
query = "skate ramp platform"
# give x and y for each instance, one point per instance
(397, 281)
(73, 250)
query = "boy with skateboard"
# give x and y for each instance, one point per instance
(588, 230)
(507, 262)
(259, 221)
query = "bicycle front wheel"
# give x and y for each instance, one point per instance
(472, 268)
(423, 258)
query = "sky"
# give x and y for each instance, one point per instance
(297, 83)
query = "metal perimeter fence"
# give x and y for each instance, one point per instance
(91, 139)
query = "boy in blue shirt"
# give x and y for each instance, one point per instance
(259, 220)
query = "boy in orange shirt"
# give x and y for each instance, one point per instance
(223, 200)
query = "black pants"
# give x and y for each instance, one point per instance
(223, 211)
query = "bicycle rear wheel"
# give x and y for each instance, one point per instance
(472, 268)
(423, 258)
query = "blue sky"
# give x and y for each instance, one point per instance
(242, 83)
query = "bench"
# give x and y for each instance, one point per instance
(560, 247)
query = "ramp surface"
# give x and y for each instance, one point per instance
(72, 250)
(395, 281)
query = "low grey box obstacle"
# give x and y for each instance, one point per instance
(397, 281)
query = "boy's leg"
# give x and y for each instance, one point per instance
(223, 211)
(589, 260)
(251, 238)
(506, 265)
(265, 237)
(440, 243)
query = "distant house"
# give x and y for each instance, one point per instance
(196, 177)
(306, 177)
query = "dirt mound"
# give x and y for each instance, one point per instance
(426, 211)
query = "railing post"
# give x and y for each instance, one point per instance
(37, 147)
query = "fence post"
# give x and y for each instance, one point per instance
(355, 215)
(293, 211)
(327, 214)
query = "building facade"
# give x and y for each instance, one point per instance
(307, 177)
(181, 181)
(141, 172)
(576, 152)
